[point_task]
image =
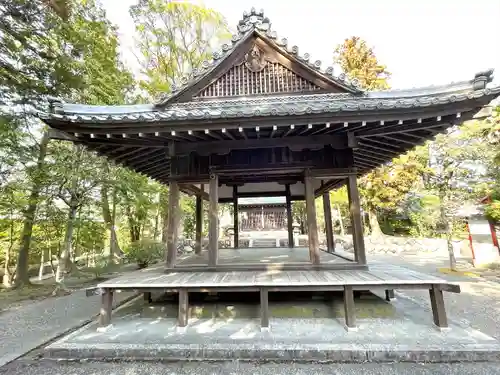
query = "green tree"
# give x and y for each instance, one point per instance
(174, 37)
(385, 187)
(459, 163)
(358, 60)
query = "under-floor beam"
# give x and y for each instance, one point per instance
(264, 309)
(182, 318)
(438, 308)
(350, 312)
(106, 308)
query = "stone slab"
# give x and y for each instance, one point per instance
(399, 332)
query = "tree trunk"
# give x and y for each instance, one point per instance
(42, 265)
(64, 259)
(7, 277)
(341, 222)
(22, 277)
(375, 230)
(109, 217)
(448, 229)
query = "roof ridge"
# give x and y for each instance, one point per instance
(255, 21)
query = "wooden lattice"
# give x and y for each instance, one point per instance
(274, 78)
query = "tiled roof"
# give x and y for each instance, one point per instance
(262, 106)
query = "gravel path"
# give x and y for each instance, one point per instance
(26, 328)
(478, 304)
(235, 368)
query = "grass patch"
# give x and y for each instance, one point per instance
(11, 297)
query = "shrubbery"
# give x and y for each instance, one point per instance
(145, 252)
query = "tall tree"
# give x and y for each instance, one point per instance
(358, 60)
(174, 37)
(380, 189)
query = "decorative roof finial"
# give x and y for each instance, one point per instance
(254, 19)
(481, 79)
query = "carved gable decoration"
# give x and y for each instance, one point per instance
(257, 73)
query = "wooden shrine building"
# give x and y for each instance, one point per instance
(262, 119)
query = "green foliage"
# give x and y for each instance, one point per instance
(358, 60)
(173, 38)
(145, 252)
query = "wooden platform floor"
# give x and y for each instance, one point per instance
(275, 255)
(379, 275)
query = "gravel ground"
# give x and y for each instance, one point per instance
(235, 368)
(26, 328)
(478, 304)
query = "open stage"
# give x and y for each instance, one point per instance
(276, 278)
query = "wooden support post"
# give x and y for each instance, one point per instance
(357, 225)
(438, 308)
(389, 294)
(106, 308)
(327, 208)
(312, 225)
(182, 318)
(199, 224)
(289, 218)
(213, 226)
(264, 309)
(236, 218)
(173, 223)
(350, 312)
(147, 297)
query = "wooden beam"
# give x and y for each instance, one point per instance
(213, 225)
(173, 217)
(304, 142)
(236, 218)
(106, 308)
(357, 225)
(395, 129)
(327, 208)
(349, 308)
(264, 309)
(438, 307)
(183, 315)
(289, 217)
(311, 220)
(199, 224)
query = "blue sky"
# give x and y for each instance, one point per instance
(422, 42)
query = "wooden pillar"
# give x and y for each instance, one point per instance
(438, 308)
(199, 223)
(289, 218)
(236, 226)
(327, 208)
(312, 226)
(357, 225)
(182, 316)
(350, 312)
(173, 223)
(106, 308)
(264, 309)
(213, 217)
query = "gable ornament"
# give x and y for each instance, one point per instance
(255, 59)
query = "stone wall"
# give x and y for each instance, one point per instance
(408, 245)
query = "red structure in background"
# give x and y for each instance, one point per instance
(494, 237)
